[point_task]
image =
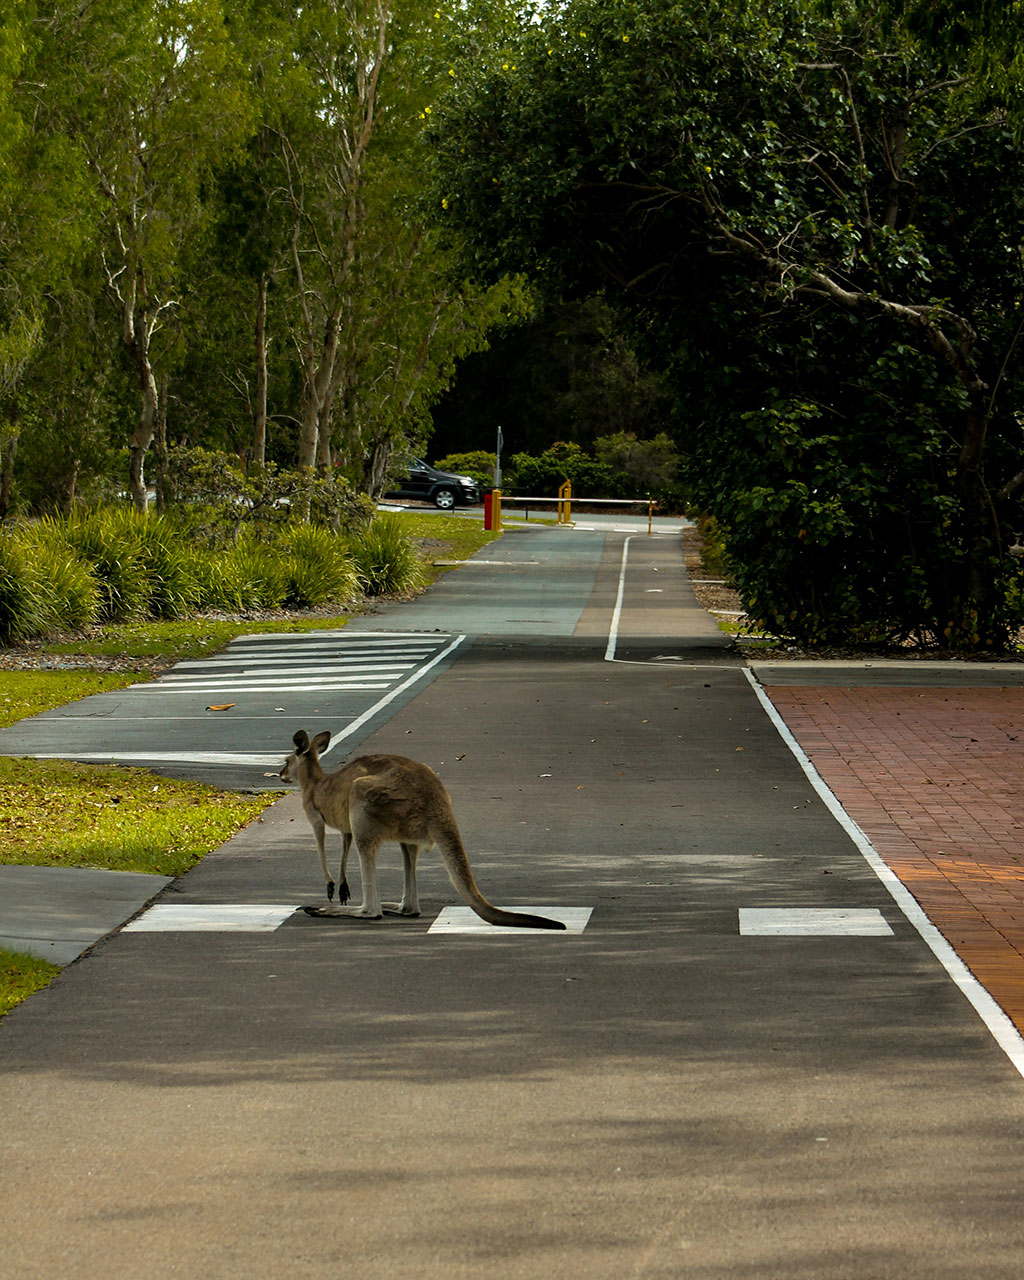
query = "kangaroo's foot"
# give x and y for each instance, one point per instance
(333, 911)
(399, 909)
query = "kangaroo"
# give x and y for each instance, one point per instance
(376, 798)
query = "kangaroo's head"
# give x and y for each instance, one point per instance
(304, 761)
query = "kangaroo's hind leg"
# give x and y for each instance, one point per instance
(410, 904)
(344, 893)
(367, 834)
(370, 908)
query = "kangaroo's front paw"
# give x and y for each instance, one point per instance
(343, 892)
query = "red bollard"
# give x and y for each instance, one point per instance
(488, 510)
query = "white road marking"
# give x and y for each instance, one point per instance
(396, 692)
(180, 917)
(814, 922)
(278, 666)
(465, 920)
(393, 679)
(183, 917)
(231, 684)
(613, 630)
(999, 1025)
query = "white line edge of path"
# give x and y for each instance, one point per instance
(999, 1025)
(613, 629)
(396, 692)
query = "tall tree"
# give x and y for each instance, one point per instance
(376, 321)
(45, 219)
(150, 90)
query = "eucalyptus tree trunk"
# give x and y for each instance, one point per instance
(146, 424)
(259, 416)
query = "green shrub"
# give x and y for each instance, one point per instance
(478, 463)
(25, 608)
(67, 581)
(246, 578)
(566, 461)
(712, 546)
(108, 542)
(385, 559)
(319, 568)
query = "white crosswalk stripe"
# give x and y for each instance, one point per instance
(279, 663)
(265, 685)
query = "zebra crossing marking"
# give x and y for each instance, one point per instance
(217, 917)
(358, 676)
(283, 662)
(814, 922)
(226, 917)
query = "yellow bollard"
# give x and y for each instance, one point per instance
(565, 503)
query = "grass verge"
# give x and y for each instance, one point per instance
(54, 813)
(445, 538)
(20, 975)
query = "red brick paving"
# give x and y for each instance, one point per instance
(935, 779)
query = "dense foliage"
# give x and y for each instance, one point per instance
(817, 220)
(209, 236)
(618, 466)
(113, 565)
(786, 234)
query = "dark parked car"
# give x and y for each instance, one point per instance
(441, 488)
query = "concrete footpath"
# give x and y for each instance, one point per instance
(747, 1062)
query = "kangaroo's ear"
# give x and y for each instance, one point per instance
(321, 740)
(301, 740)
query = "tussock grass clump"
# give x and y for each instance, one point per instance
(24, 604)
(319, 566)
(116, 567)
(385, 559)
(167, 556)
(20, 975)
(68, 580)
(244, 578)
(103, 539)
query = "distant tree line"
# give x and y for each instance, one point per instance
(210, 235)
(784, 235)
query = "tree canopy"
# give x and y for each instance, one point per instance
(818, 217)
(785, 232)
(210, 233)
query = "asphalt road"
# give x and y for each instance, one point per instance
(745, 1064)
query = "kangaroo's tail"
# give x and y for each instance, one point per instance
(450, 846)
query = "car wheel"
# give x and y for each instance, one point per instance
(444, 498)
